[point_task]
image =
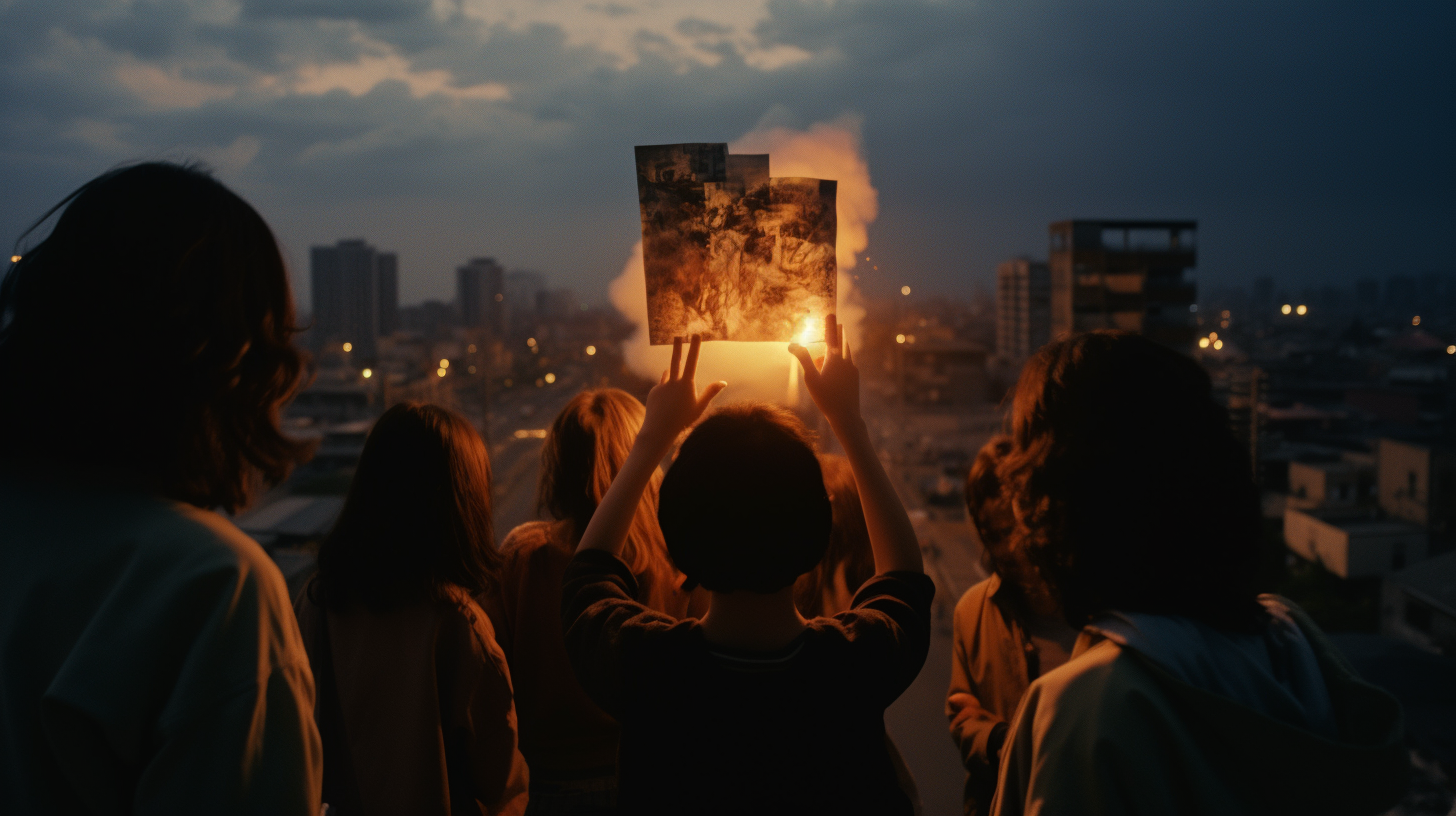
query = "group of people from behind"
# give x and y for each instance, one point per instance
(723, 636)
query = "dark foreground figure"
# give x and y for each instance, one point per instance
(149, 661)
(753, 709)
(1186, 692)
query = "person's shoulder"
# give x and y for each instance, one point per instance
(1105, 682)
(536, 542)
(977, 595)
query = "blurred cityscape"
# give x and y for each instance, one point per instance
(1345, 395)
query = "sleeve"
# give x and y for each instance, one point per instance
(230, 728)
(889, 625)
(601, 623)
(978, 733)
(479, 721)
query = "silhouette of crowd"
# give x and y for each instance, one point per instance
(722, 636)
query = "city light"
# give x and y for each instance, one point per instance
(440, 372)
(904, 290)
(499, 297)
(471, 369)
(1416, 321)
(444, 363)
(550, 378)
(367, 373)
(348, 347)
(1301, 309)
(590, 350)
(909, 338)
(1226, 314)
(530, 434)
(470, 349)
(1212, 336)
(899, 338)
(1451, 349)
(531, 341)
(1286, 309)
(15, 259)
(1203, 342)
(1217, 344)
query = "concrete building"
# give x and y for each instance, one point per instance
(1418, 605)
(480, 291)
(522, 286)
(1417, 483)
(1023, 308)
(1342, 485)
(1132, 275)
(1353, 546)
(355, 296)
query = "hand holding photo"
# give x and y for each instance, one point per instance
(731, 253)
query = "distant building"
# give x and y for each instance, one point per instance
(1023, 308)
(480, 291)
(1133, 275)
(1342, 485)
(557, 304)
(521, 289)
(1418, 605)
(353, 301)
(1417, 483)
(1353, 546)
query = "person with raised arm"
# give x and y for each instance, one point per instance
(753, 708)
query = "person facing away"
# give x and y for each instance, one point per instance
(415, 702)
(149, 662)
(569, 742)
(751, 709)
(1187, 692)
(1007, 632)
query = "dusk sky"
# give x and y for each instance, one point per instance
(1312, 141)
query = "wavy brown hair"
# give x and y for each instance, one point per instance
(1127, 487)
(586, 446)
(151, 333)
(989, 508)
(417, 519)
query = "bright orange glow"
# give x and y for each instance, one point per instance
(813, 332)
(1451, 349)
(904, 290)
(1217, 344)
(530, 434)
(1301, 309)
(1212, 336)
(15, 259)
(348, 347)
(590, 350)
(1416, 321)
(1203, 342)
(1286, 308)
(899, 338)
(367, 373)
(549, 378)
(440, 372)
(531, 341)
(444, 363)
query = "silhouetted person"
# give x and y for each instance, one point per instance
(415, 702)
(751, 709)
(848, 561)
(1187, 691)
(1008, 632)
(149, 662)
(570, 743)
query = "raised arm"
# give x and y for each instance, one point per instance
(835, 389)
(672, 406)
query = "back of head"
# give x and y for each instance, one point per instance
(586, 446)
(743, 506)
(1128, 488)
(151, 332)
(849, 553)
(417, 517)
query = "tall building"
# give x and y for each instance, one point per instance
(355, 295)
(1133, 275)
(480, 290)
(1023, 308)
(521, 289)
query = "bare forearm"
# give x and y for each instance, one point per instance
(612, 520)
(892, 537)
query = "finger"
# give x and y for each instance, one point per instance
(811, 371)
(839, 339)
(691, 366)
(663, 381)
(848, 357)
(676, 358)
(711, 391)
(830, 324)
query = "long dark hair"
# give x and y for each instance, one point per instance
(586, 446)
(1128, 488)
(151, 332)
(417, 518)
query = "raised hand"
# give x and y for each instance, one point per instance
(674, 404)
(834, 385)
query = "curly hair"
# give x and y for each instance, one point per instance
(151, 332)
(1127, 487)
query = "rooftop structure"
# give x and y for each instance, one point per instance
(1132, 275)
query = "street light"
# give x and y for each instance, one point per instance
(348, 347)
(1203, 342)
(367, 373)
(590, 350)
(1286, 309)
(440, 372)
(444, 363)
(1301, 309)
(904, 290)
(550, 378)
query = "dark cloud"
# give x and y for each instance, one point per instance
(1309, 142)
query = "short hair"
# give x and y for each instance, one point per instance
(744, 505)
(1128, 488)
(584, 449)
(151, 331)
(417, 518)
